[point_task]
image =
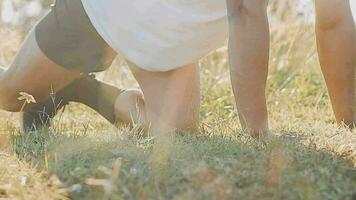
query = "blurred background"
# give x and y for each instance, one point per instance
(23, 13)
(293, 55)
(84, 143)
(294, 67)
(17, 17)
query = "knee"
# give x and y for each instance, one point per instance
(239, 9)
(331, 15)
(181, 123)
(191, 127)
(190, 124)
(327, 23)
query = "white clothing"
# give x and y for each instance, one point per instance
(160, 35)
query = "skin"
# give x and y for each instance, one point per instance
(249, 53)
(336, 39)
(248, 56)
(32, 72)
(171, 99)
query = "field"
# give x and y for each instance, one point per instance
(83, 157)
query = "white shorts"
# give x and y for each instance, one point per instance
(160, 35)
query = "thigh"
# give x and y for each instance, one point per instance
(32, 72)
(172, 99)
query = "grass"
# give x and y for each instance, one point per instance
(199, 167)
(82, 157)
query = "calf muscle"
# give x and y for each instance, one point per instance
(336, 41)
(248, 56)
(32, 72)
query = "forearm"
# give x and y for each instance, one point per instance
(249, 56)
(336, 39)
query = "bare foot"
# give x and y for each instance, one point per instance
(129, 107)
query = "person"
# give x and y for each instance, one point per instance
(336, 39)
(79, 37)
(55, 64)
(249, 55)
(162, 42)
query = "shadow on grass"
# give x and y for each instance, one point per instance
(198, 167)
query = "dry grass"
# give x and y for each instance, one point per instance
(18, 180)
(315, 160)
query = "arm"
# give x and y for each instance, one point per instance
(249, 56)
(336, 39)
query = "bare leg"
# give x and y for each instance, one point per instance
(34, 73)
(336, 39)
(172, 103)
(172, 99)
(101, 97)
(248, 55)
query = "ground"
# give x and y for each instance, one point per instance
(83, 157)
